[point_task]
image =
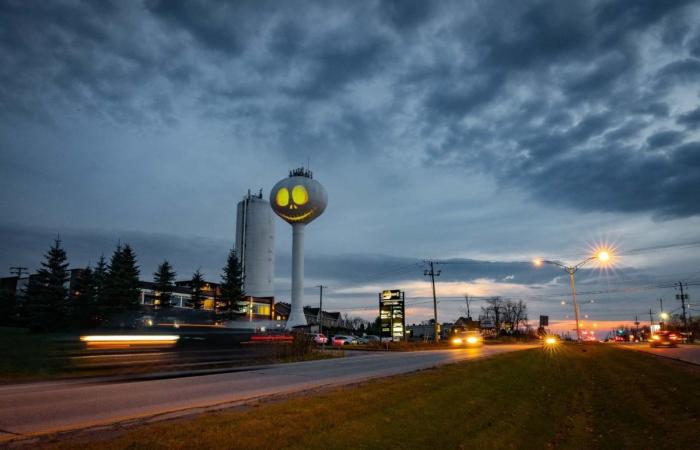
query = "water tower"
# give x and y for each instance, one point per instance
(298, 199)
(255, 245)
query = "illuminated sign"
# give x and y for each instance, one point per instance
(391, 294)
(392, 315)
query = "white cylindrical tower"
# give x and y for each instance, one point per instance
(298, 199)
(255, 245)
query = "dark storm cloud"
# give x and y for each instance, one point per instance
(665, 138)
(690, 119)
(26, 246)
(568, 101)
(589, 62)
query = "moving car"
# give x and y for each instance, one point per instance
(319, 338)
(550, 340)
(664, 339)
(467, 339)
(344, 340)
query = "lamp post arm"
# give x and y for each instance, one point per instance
(555, 263)
(583, 263)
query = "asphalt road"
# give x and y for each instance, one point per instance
(688, 353)
(48, 407)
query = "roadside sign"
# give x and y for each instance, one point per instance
(392, 315)
(544, 321)
(487, 323)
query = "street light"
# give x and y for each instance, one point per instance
(602, 255)
(664, 317)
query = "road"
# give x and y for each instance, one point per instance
(48, 407)
(687, 353)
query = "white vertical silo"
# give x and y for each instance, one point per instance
(255, 244)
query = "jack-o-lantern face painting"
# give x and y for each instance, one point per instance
(298, 199)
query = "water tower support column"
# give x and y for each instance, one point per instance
(296, 315)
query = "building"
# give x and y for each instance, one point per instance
(255, 245)
(252, 309)
(179, 298)
(18, 285)
(329, 319)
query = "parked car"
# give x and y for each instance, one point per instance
(341, 339)
(319, 338)
(372, 339)
(664, 339)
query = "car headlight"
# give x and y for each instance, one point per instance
(472, 340)
(456, 341)
(550, 341)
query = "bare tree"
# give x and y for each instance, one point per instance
(358, 322)
(494, 309)
(515, 313)
(505, 312)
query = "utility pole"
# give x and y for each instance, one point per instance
(17, 270)
(661, 313)
(636, 323)
(432, 275)
(651, 319)
(320, 307)
(469, 315)
(685, 317)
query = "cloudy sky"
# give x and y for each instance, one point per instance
(480, 133)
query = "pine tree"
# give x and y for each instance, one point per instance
(121, 290)
(197, 284)
(7, 306)
(232, 290)
(48, 306)
(99, 278)
(83, 299)
(164, 279)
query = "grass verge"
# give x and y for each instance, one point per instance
(28, 356)
(576, 397)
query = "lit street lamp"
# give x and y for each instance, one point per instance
(602, 255)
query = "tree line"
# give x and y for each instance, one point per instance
(505, 314)
(55, 299)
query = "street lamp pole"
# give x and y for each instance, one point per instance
(572, 282)
(603, 256)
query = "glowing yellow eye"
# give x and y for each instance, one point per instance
(299, 195)
(282, 197)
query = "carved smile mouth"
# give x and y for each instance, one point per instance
(297, 218)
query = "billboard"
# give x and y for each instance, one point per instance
(487, 323)
(392, 315)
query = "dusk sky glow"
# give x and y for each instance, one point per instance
(482, 134)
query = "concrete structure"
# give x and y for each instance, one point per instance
(255, 245)
(298, 200)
